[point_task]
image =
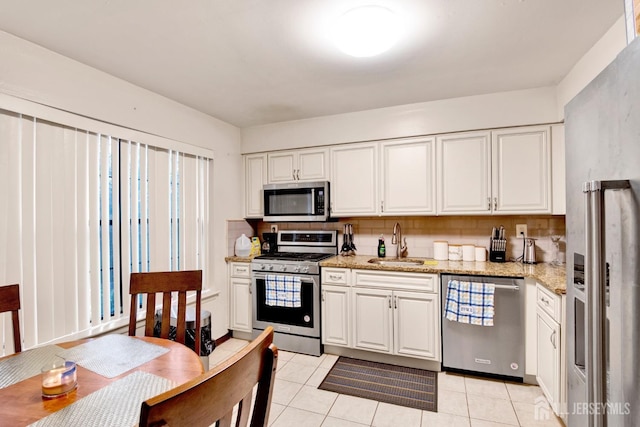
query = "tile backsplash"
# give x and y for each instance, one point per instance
(422, 231)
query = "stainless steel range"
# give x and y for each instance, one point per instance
(286, 289)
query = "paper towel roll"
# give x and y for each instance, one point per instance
(481, 253)
(440, 250)
(455, 253)
(468, 252)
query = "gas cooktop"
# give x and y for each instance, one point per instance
(293, 256)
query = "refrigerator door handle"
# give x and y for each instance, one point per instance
(595, 294)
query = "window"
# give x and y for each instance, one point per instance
(81, 210)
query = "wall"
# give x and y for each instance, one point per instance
(591, 64)
(421, 232)
(30, 72)
(533, 106)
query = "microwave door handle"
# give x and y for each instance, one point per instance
(313, 201)
(588, 231)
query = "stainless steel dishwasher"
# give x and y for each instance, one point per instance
(496, 350)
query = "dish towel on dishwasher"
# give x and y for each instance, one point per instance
(283, 291)
(470, 302)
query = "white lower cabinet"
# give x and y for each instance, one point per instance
(372, 319)
(335, 315)
(240, 313)
(549, 349)
(383, 311)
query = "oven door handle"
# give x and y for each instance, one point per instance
(263, 276)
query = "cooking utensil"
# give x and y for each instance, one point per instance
(344, 251)
(352, 244)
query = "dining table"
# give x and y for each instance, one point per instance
(115, 374)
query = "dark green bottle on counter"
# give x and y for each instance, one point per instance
(382, 250)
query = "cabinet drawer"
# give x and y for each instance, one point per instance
(335, 276)
(396, 280)
(241, 270)
(549, 302)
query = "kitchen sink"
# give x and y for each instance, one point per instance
(397, 262)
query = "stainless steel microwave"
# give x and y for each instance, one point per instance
(296, 201)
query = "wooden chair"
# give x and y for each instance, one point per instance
(212, 396)
(10, 301)
(166, 283)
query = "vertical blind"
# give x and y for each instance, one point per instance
(80, 211)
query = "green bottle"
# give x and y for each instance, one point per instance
(382, 251)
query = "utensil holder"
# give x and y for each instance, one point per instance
(498, 250)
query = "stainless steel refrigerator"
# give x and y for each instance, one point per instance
(602, 125)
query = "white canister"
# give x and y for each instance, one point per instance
(468, 252)
(455, 253)
(481, 253)
(440, 250)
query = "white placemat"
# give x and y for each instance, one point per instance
(26, 364)
(116, 405)
(113, 355)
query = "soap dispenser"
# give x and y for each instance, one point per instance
(382, 251)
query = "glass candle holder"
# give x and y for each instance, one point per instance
(59, 378)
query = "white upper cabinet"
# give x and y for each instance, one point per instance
(521, 170)
(354, 177)
(558, 171)
(506, 171)
(464, 173)
(299, 165)
(408, 177)
(255, 176)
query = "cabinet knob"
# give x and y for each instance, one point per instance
(495, 203)
(488, 203)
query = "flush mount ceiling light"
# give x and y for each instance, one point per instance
(367, 31)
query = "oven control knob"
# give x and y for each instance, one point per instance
(305, 269)
(296, 268)
(282, 268)
(262, 266)
(269, 267)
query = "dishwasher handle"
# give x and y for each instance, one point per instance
(510, 287)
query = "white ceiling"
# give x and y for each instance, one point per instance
(252, 62)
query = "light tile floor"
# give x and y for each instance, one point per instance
(463, 401)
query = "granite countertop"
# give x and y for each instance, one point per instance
(550, 276)
(238, 258)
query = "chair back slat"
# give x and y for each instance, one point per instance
(10, 302)
(212, 396)
(166, 283)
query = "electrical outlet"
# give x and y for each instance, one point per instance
(521, 230)
(274, 228)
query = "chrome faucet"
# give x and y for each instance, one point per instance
(396, 239)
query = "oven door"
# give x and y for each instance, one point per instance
(303, 320)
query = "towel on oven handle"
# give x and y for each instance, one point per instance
(283, 291)
(470, 302)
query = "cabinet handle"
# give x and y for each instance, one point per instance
(298, 174)
(389, 299)
(323, 295)
(334, 277)
(395, 302)
(495, 203)
(552, 338)
(382, 206)
(488, 203)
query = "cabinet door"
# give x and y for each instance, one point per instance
(372, 319)
(521, 170)
(241, 311)
(548, 357)
(312, 165)
(354, 174)
(255, 173)
(335, 315)
(282, 166)
(416, 328)
(464, 175)
(408, 177)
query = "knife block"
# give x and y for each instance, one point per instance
(498, 250)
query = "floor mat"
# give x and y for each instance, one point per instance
(398, 385)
